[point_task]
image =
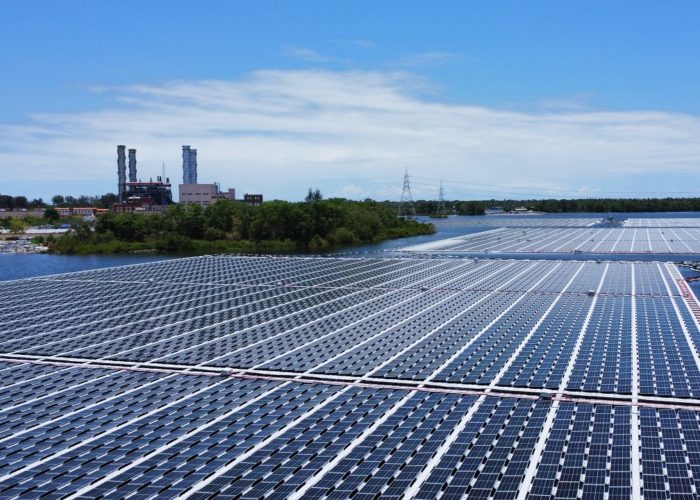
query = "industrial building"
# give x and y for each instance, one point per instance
(204, 194)
(136, 195)
(65, 212)
(190, 192)
(254, 200)
(154, 196)
(151, 196)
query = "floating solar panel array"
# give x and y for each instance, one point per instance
(662, 222)
(517, 221)
(256, 377)
(570, 240)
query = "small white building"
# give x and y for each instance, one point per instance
(204, 194)
(521, 210)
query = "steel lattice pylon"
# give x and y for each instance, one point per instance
(406, 206)
(441, 201)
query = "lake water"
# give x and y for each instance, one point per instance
(25, 266)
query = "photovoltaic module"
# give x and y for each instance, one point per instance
(310, 377)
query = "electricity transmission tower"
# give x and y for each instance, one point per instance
(406, 206)
(441, 201)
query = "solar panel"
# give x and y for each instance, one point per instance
(665, 222)
(547, 240)
(519, 220)
(351, 377)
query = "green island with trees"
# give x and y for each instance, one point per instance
(234, 227)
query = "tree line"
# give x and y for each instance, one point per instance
(624, 205)
(101, 201)
(9, 202)
(422, 207)
(233, 226)
(604, 205)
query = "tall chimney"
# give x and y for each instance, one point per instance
(121, 171)
(132, 165)
(193, 166)
(186, 165)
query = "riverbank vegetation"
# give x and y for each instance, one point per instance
(623, 205)
(228, 226)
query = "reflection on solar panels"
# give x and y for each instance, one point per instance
(663, 222)
(516, 221)
(336, 377)
(667, 240)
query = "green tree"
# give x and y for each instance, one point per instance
(107, 200)
(471, 208)
(190, 222)
(313, 196)
(82, 230)
(20, 202)
(6, 202)
(271, 221)
(229, 216)
(17, 226)
(51, 214)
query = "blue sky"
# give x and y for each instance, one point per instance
(498, 98)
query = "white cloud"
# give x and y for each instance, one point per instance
(305, 54)
(353, 133)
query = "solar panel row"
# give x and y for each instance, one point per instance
(257, 438)
(516, 221)
(662, 222)
(567, 240)
(467, 312)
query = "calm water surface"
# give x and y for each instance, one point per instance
(14, 267)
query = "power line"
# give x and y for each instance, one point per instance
(489, 192)
(516, 189)
(441, 201)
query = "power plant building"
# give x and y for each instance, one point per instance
(138, 196)
(155, 196)
(192, 192)
(254, 200)
(204, 194)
